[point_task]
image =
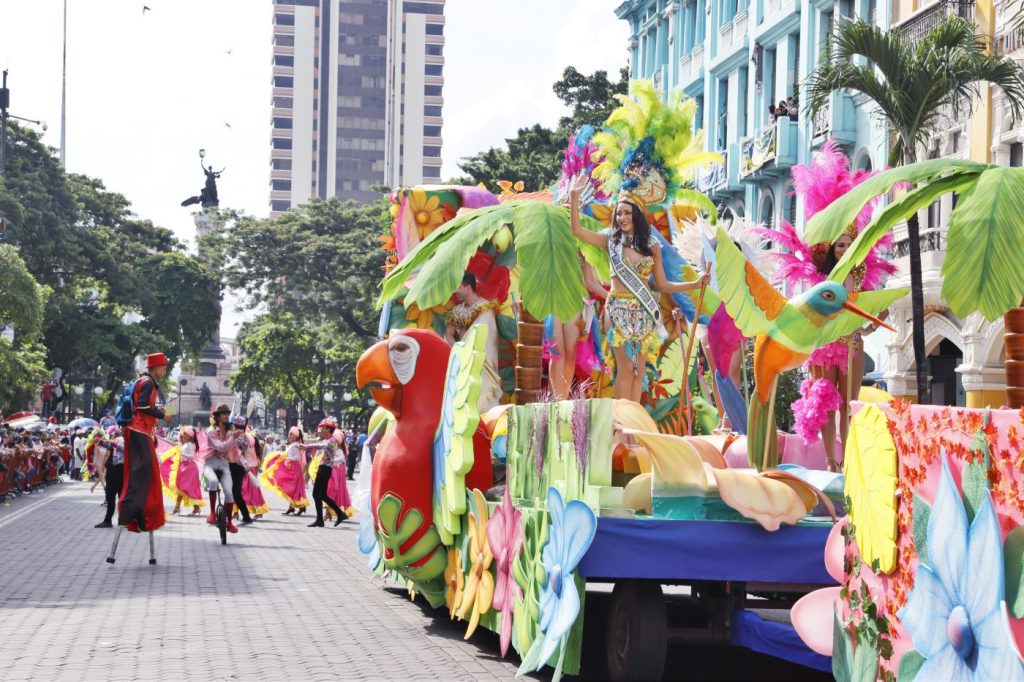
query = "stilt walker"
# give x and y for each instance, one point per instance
(140, 507)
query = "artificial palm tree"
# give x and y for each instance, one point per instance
(913, 84)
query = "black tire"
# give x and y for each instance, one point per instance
(637, 631)
(222, 523)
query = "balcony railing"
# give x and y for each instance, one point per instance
(920, 24)
(715, 177)
(822, 120)
(759, 150)
(1009, 41)
(931, 240)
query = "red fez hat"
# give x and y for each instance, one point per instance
(156, 360)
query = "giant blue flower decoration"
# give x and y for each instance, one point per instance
(955, 614)
(368, 544)
(570, 533)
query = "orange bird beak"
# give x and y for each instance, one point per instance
(374, 370)
(867, 316)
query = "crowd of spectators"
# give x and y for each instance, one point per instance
(785, 108)
(31, 460)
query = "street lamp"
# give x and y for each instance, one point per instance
(98, 391)
(79, 391)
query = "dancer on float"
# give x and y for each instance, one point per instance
(474, 309)
(838, 368)
(180, 473)
(334, 458)
(284, 473)
(220, 451)
(633, 310)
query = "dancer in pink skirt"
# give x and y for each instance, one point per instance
(251, 491)
(284, 473)
(180, 474)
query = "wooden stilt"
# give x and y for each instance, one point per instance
(152, 550)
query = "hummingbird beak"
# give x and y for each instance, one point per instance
(867, 316)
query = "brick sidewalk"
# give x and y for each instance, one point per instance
(279, 602)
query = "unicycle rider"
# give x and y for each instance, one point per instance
(219, 444)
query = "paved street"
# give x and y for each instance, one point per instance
(279, 602)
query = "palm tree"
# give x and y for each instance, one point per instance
(913, 84)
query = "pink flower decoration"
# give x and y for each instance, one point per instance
(505, 537)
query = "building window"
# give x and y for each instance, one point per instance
(432, 131)
(433, 69)
(285, 41)
(283, 102)
(281, 164)
(435, 29)
(280, 206)
(432, 171)
(1017, 154)
(432, 110)
(435, 50)
(284, 60)
(282, 143)
(422, 8)
(431, 90)
(283, 81)
(284, 19)
(281, 185)
(282, 122)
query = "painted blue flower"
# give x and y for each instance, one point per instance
(955, 614)
(368, 541)
(570, 533)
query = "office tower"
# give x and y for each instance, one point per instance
(357, 95)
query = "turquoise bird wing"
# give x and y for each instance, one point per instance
(753, 303)
(846, 322)
(453, 442)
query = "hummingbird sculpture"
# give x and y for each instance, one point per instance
(785, 332)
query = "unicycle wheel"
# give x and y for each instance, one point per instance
(222, 524)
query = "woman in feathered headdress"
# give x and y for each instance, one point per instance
(836, 369)
(649, 151)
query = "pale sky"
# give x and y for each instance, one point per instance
(147, 90)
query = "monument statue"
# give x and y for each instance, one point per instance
(205, 397)
(207, 197)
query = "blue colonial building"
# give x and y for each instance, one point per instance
(737, 58)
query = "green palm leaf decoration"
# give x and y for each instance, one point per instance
(395, 281)
(828, 224)
(984, 268)
(551, 280)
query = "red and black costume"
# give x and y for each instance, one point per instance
(141, 506)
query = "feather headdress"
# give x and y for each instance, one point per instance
(650, 150)
(580, 160)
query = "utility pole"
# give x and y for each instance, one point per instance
(5, 102)
(64, 84)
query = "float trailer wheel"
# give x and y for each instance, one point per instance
(637, 631)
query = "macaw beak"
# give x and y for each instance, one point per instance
(374, 370)
(867, 316)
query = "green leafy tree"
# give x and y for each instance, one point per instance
(912, 84)
(22, 367)
(534, 155)
(121, 286)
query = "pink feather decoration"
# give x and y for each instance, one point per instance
(796, 265)
(725, 339)
(827, 178)
(812, 411)
(579, 160)
(835, 354)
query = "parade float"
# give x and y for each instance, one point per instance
(503, 511)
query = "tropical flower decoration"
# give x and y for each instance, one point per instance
(479, 589)
(955, 613)
(454, 581)
(509, 187)
(505, 539)
(870, 471)
(492, 281)
(570, 533)
(428, 213)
